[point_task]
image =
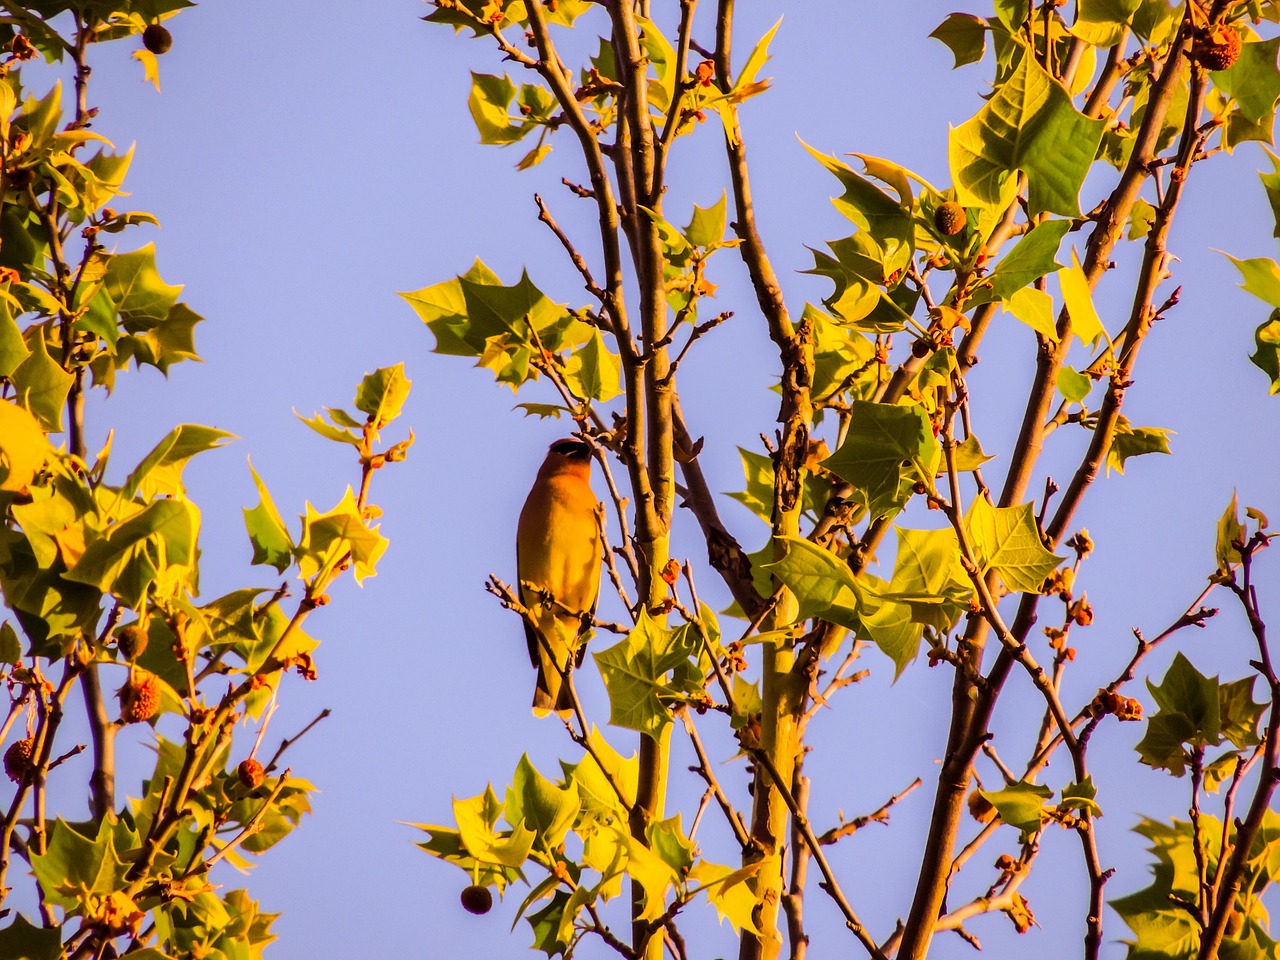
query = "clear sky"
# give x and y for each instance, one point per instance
(309, 159)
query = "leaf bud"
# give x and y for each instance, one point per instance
(1080, 612)
(21, 47)
(671, 572)
(980, 808)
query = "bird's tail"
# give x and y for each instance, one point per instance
(550, 692)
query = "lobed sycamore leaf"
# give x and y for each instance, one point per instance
(272, 544)
(887, 450)
(1021, 805)
(1029, 124)
(1007, 540)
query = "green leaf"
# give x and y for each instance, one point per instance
(651, 872)
(1130, 441)
(756, 59)
(548, 925)
(382, 394)
(1102, 22)
(758, 497)
(546, 411)
(887, 450)
(969, 454)
(476, 819)
(158, 542)
(489, 103)
(1078, 299)
(13, 349)
(593, 372)
(965, 35)
(160, 471)
(77, 864)
(41, 384)
(328, 430)
(1031, 258)
(928, 577)
(1141, 216)
(1261, 278)
(541, 806)
(1161, 927)
(635, 671)
(10, 645)
(1020, 805)
(706, 228)
(23, 941)
(729, 891)
(1028, 125)
(1074, 385)
(881, 249)
(667, 840)
(822, 583)
(1154, 20)
(1081, 796)
(267, 532)
(1007, 541)
(135, 288)
(1253, 80)
(1034, 308)
(1267, 355)
(1238, 713)
(1231, 533)
(1187, 693)
(342, 532)
(588, 775)
(890, 626)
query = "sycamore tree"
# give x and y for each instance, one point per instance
(896, 539)
(103, 627)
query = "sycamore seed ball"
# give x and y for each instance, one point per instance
(477, 899)
(140, 699)
(131, 641)
(949, 218)
(250, 773)
(1216, 49)
(157, 39)
(17, 759)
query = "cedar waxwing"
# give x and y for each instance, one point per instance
(558, 549)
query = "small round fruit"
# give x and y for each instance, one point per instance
(157, 39)
(18, 759)
(251, 773)
(477, 899)
(140, 699)
(131, 641)
(1216, 49)
(949, 218)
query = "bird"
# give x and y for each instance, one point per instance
(558, 556)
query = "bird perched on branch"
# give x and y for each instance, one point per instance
(558, 568)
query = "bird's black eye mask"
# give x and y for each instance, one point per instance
(571, 448)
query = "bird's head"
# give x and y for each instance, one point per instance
(569, 455)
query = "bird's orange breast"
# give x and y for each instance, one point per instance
(558, 541)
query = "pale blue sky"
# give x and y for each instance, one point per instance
(309, 159)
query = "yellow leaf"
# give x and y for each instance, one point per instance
(1075, 294)
(150, 67)
(23, 447)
